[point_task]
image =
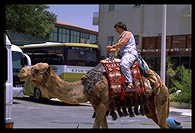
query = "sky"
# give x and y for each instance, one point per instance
(80, 15)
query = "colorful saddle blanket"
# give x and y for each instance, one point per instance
(117, 80)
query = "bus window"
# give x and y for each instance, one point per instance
(79, 56)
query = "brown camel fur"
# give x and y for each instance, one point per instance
(44, 78)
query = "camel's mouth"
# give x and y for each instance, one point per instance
(34, 81)
(23, 78)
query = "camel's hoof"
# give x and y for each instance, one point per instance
(173, 123)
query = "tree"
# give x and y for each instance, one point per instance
(30, 19)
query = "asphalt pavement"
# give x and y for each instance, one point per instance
(55, 114)
(186, 112)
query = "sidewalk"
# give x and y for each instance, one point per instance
(187, 112)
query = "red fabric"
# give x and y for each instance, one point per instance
(117, 80)
(137, 78)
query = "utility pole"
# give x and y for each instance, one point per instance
(163, 43)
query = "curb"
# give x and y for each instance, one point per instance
(186, 112)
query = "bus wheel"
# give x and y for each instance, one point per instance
(37, 94)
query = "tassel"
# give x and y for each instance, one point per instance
(122, 94)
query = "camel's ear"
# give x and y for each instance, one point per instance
(49, 68)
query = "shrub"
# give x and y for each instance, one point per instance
(181, 79)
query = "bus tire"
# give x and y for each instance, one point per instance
(37, 94)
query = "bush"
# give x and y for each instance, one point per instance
(181, 79)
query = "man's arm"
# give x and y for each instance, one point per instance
(122, 41)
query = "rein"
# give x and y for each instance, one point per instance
(45, 73)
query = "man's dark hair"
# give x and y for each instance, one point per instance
(121, 25)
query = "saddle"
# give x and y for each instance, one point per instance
(146, 83)
(117, 82)
(110, 67)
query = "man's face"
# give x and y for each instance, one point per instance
(119, 30)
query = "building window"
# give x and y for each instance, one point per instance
(54, 35)
(84, 37)
(111, 7)
(93, 38)
(63, 35)
(74, 36)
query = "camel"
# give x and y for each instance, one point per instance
(45, 78)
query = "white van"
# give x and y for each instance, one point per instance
(9, 86)
(19, 60)
(16, 59)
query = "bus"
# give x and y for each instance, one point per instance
(19, 60)
(69, 60)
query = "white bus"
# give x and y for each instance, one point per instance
(69, 60)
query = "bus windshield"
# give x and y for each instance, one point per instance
(18, 61)
(82, 56)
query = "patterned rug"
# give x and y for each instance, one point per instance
(117, 80)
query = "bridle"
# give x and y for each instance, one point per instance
(45, 73)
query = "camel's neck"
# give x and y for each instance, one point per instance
(69, 92)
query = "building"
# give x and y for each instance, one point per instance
(145, 21)
(64, 32)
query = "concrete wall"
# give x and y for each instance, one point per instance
(145, 20)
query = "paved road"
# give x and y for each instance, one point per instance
(55, 114)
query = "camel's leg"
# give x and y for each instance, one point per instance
(161, 116)
(159, 109)
(152, 112)
(100, 116)
(162, 107)
(104, 123)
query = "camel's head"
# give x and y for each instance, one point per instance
(25, 73)
(40, 72)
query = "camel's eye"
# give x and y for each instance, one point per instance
(22, 71)
(36, 71)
